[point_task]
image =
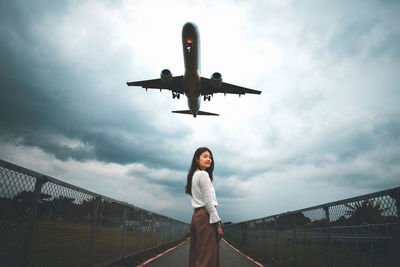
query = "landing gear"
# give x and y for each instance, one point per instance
(207, 97)
(175, 95)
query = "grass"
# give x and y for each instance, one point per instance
(312, 254)
(56, 243)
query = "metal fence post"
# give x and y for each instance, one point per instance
(168, 232)
(181, 229)
(153, 229)
(264, 236)
(390, 245)
(123, 226)
(140, 231)
(241, 235)
(254, 236)
(93, 230)
(396, 196)
(170, 223)
(159, 232)
(240, 238)
(233, 229)
(164, 232)
(294, 241)
(330, 252)
(173, 231)
(276, 255)
(26, 247)
(247, 233)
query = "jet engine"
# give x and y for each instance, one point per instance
(166, 76)
(216, 80)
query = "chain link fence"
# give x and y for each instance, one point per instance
(46, 222)
(361, 231)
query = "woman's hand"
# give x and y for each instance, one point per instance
(220, 233)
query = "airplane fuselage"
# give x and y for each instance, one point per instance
(191, 56)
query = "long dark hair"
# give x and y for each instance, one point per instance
(194, 166)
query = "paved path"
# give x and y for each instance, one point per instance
(179, 257)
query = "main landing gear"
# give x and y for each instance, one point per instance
(207, 97)
(175, 95)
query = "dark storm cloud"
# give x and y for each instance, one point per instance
(345, 145)
(350, 146)
(364, 35)
(364, 180)
(47, 102)
(229, 191)
(350, 29)
(172, 181)
(175, 181)
(336, 31)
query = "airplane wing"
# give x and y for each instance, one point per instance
(175, 85)
(225, 88)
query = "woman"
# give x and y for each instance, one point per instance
(205, 228)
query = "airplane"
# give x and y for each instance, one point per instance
(192, 84)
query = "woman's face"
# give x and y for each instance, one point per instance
(204, 160)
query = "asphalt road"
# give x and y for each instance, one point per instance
(179, 257)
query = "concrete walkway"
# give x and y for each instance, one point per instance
(179, 257)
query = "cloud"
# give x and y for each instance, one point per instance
(172, 181)
(57, 100)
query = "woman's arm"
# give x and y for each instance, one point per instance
(205, 190)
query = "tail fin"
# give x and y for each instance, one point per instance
(194, 115)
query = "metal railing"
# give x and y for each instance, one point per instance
(46, 222)
(360, 231)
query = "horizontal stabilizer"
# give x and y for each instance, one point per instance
(199, 113)
(183, 112)
(207, 113)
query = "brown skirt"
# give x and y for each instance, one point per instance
(204, 246)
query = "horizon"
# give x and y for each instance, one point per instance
(55, 180)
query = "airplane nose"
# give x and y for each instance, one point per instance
(189, 28)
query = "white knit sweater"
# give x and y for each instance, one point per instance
(203, 195)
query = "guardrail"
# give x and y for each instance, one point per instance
(359, 231)
(47, 222)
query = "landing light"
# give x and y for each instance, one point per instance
(188, 46)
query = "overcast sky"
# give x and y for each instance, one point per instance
(326, 126)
